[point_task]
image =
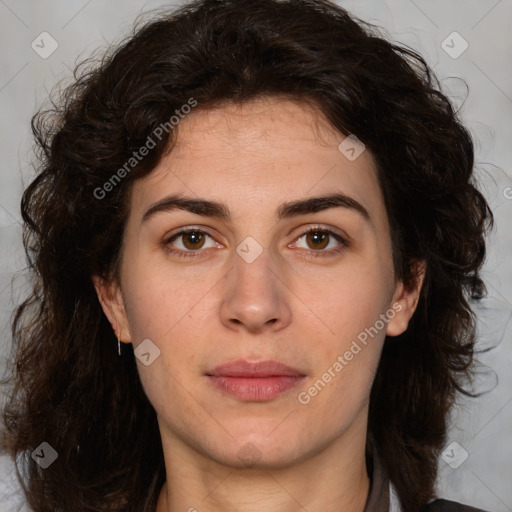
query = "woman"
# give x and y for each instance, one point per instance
(254, 239)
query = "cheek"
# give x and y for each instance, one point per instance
(160, 299)
(346, 359)
(347, 301)
(171, 311)
(349, 336)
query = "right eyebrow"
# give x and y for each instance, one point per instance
(197, 206)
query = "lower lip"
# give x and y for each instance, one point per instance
(255, 389)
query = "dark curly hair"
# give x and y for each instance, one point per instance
(70, 388)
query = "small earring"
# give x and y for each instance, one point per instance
(119, 343)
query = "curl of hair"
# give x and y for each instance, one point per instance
(71, 389)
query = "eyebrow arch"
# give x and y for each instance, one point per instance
(286, 210)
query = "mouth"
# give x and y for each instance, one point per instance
(254, 382)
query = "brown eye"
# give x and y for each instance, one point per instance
(321, 242)
(317, 239)
(190, 242)
(193, 239)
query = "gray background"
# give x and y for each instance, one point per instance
(481, 427)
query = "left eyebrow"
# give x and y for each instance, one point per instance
(317, 204)
(220, 211)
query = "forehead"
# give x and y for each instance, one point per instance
(263, 151)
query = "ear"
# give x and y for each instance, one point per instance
(405, 300)
(112, 303)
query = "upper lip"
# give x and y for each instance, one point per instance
(243, 368)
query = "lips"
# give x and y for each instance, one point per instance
(242, 368)
(254, 382)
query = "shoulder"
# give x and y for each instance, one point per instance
(12, 497)
(449, 506)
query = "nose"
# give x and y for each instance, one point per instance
(255, 297)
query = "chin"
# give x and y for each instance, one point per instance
(258, 456)
(262, 449)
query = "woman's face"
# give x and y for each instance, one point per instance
(249, 283)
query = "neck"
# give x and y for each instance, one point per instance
(333, 479)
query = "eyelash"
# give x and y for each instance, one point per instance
(312, 252)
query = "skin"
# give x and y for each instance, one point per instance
(286, 305)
